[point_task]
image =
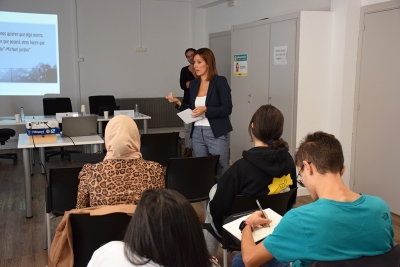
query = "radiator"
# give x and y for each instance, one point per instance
(162, 113)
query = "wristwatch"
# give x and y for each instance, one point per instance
(243, 225)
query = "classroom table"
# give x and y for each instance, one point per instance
(140, 117)
(26, 146)
(10, 120)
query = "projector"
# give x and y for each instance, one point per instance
(42, 124)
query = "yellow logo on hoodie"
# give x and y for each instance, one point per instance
(280, 184)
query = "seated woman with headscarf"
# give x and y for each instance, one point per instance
(123, 175)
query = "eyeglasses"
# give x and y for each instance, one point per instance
(300, 182)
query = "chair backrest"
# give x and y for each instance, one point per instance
(389, 259)
(100, 100)
(192, 177)
(91, 232)
(160, 147)
(87, 157)
(62, 190)
(5, 134)
(54, 105)
(280, 203)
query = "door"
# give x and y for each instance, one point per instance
(220, 44)
(282, 77)
(251, 91)
(376, 145)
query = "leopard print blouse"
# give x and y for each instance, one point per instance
(117, 181)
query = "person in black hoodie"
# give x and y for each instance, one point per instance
(267, 168)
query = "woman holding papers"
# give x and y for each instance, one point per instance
(268, 168)
(164, 231)
(209, 99)
(123, 175)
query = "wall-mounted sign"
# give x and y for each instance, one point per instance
(240, 65)
(280, 55)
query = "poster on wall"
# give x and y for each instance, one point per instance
(240, 65)
(280, 55)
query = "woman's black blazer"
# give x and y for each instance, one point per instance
(218, 103)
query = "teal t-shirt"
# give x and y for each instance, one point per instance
(328, 230)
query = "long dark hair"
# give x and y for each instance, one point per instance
(166, 230)
(268, 126)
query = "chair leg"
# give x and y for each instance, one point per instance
(45, 229)
(48, 230)
(225, 257)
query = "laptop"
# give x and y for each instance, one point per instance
(109, 108)
(79, 126)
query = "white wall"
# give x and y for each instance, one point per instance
(110, 31)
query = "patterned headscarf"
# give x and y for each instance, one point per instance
(122, 139)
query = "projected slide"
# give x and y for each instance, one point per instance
(28, 54)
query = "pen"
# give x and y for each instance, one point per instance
(262, 212)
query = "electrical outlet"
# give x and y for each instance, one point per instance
(138, 49)
(144, 49)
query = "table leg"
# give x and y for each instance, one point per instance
(32, 157)
(28, 182)
(101, 134)
(145, 126)
(42, 159)
(31, 160)
(96, 148)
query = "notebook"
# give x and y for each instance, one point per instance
(109, 108)
(79, 126)
(259, 232)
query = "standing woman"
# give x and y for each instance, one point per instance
(209, 97)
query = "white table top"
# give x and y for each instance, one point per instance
(10, 120)
(23, 141)
(140, 117)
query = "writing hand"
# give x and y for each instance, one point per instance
(257, 219)
(198, 111)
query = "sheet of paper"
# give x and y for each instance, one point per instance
(280, 55)
(259, 233)
(186, 116)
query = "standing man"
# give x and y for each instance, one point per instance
(187, 75)
(339, 225)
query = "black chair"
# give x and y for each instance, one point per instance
(5, 135)
(88, 157)
(95, 102)
(51, 106)
(280, 203)
(60, 196)
(160, 147)
(192, 177)
(389, 259)
(100, 100)
(91, 232)
(54, 105)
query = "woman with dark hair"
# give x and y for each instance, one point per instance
(209, 97)
(164, 231)
(268, 168)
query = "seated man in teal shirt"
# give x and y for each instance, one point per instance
(339, 225)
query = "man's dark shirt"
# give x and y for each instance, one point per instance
(186, 76)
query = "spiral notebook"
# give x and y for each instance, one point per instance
(259, 232)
